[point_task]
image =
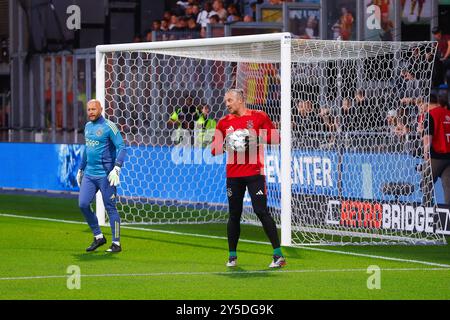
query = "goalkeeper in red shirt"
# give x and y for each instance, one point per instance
(241, 134)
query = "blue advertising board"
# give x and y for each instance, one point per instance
(193, 175)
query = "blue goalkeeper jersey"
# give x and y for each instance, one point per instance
(104, 148)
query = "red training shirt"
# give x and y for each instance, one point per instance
(245, 165)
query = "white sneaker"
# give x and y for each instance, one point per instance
(278, 262)
(232, 262)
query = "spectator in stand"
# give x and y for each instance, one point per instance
(248, 18)
(180, 10)
(164, 25)
(183, 4)
(370, 119)
(204, 127)
(391, 121)
(253, 4)
(148, 36)
(346, 24)
(205, 14)
(173, 22)
(443, 52)
(422, 110)
(188, 12)
(312, 28)
(137, 38)
(167, 15)
(327, 123)
(220, 10)
(233, 13)
(156, 25)
(305, 119)
(401, 129)
(348, 118)
(214, 19)
(195, 11)
(407, 86)
(182, 24)
(308, 125)
(192, 25)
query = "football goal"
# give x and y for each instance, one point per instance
(349, 168)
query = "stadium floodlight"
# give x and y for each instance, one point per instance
(349, 115)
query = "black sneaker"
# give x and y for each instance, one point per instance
(232, 262)
(278, 262)
(114, 248)
(97, 243)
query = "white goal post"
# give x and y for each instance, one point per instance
(342, 173)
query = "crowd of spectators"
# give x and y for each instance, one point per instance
(189, 18)
(355, 112)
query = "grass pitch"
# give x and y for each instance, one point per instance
(185, 262)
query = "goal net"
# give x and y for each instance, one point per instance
(350, 115)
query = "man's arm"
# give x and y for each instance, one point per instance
(83, 163)
(117, 140)
(428, 130)
(427, 146)
(447, 54)
(269, 134)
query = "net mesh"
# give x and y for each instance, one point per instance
(356, 111)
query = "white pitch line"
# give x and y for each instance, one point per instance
(40, 218)
(441, 265)
(220, 273)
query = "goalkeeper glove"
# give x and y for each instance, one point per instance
(113, 176)
(79, 177)
(251, 140)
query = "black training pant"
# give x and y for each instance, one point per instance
(256, 186)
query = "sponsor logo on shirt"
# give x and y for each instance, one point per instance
(91, 143)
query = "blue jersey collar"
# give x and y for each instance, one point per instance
(99, 120)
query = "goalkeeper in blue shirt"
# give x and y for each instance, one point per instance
(100, 170)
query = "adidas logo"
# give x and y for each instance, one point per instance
(260, 193)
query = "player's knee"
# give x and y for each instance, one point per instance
(261, 212)
(82, 204)
(234, 217)
(263, 215)
(111, 208)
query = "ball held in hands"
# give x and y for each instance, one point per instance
(240, 140)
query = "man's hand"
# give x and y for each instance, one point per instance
(113, 176)
(251, 140)
(79, 177)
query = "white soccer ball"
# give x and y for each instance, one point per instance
(236, 140)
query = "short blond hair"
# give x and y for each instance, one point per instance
(238, 92)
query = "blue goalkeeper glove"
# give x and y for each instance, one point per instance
(113, 176)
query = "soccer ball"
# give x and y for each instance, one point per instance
(236, 141)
